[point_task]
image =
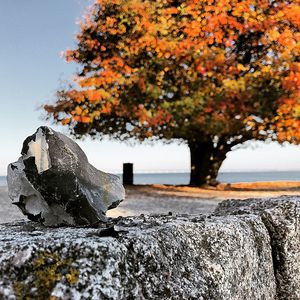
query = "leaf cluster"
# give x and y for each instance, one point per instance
(178, 69)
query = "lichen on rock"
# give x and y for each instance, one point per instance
(246, 250)
(158, 257)
(47, 269)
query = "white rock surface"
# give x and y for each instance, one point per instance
(38, 149)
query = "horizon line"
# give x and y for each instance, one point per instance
(184, 171)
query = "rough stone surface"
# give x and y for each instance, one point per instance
(281, 217)
(162, 257)
(53, 182)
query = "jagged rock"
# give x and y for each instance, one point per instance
(162, 257)
(281, 217)
(53, 182)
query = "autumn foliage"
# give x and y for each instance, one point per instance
(212, 73)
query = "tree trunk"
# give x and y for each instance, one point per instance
(206, 160)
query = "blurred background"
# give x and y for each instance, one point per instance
(33, 34)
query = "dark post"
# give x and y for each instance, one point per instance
(128, 174)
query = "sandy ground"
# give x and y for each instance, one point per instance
(160, 199)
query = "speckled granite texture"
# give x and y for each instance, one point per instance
(230, 255)
(281, 216)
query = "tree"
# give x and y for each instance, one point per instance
(212, 73)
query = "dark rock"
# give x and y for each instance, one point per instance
(281, 217)
(54, 184)
(161, 257)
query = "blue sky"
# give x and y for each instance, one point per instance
(33, 33)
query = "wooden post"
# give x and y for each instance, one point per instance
(128, 174)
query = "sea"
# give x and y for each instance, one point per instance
(226, 177)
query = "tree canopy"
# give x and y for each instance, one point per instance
(220, 72)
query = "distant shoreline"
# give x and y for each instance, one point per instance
(187, 172)
(244, 187)
(267, 178)
(162, 199)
